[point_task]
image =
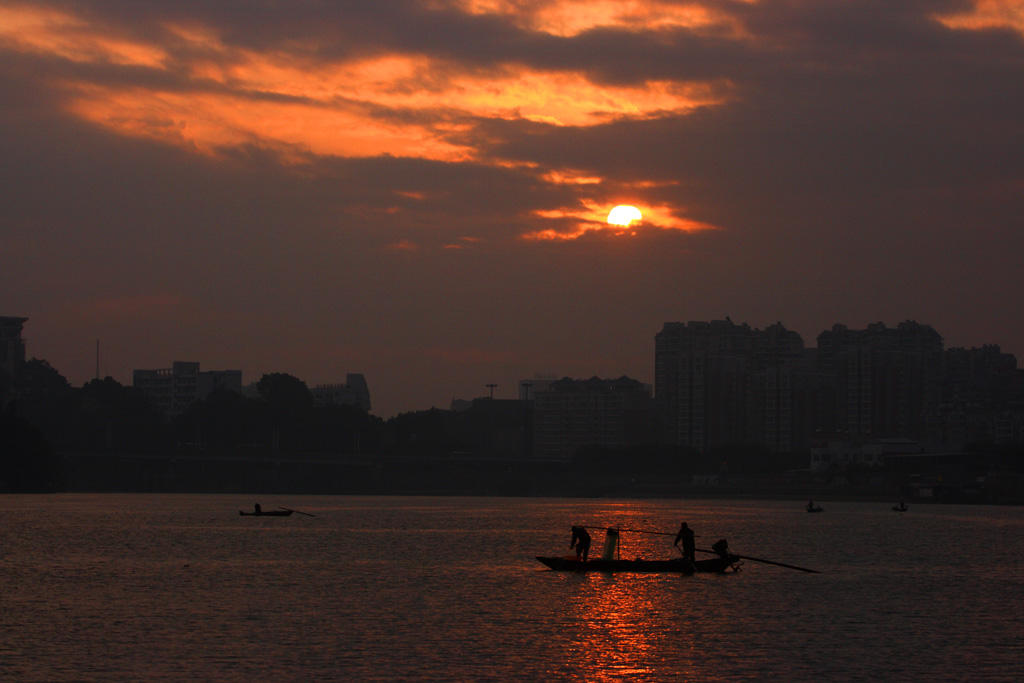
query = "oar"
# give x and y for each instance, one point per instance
(299, 511)
(757, 559)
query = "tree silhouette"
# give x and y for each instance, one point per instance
(285, 393)
(115, 416)
(225, 420)
(27, 463)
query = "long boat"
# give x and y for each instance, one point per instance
(268, 513)
(674, 566)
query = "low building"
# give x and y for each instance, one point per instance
(12, 355)
(860, 453)
(609, 413)
(12, 346)
(172, 390)
(354, 392)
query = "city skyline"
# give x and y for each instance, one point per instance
(523, 386)
(419, 191)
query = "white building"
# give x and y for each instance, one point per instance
(354, 392)
(862, 454)
(174, 389)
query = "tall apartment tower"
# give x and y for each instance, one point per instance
(885, 379)
(718, 383)
(700, 382)
(780, 381)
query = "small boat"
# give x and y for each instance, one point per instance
(900, 508)
(716, 565)
(268, 513)
(816, 508)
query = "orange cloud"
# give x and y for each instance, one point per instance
(403, 105)
(570, 177)
(344, 112)
(572, 17)
(207, 122)
(989, 14)
(39, 30)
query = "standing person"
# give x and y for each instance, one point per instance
(581, 541)
(685, 536)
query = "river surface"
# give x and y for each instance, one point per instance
(103, 587)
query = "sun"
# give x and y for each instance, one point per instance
(624, 216)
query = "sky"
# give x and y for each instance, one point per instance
(418, 191)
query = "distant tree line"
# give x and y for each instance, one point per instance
(43, 416)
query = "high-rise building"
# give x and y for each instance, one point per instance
(982, 398)
(886, 379)
(779, 377)
(718, 383)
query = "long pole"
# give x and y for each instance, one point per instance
(299, 511)
(711, 552)
(758, 559)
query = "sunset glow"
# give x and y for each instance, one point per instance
(39, 30)
(622, 220)
(400, 105)
(404, 105)
(402, 117)
(989, 14)
(624, 215)
(573, 17)
(442, 174)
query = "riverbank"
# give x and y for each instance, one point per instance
(211, 472)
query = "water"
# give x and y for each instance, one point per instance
(174, 588)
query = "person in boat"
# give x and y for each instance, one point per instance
(580, 541)
(810, 505)
(721, 547)
(685, 536)
(258, 509)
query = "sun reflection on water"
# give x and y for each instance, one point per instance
(623, 632)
